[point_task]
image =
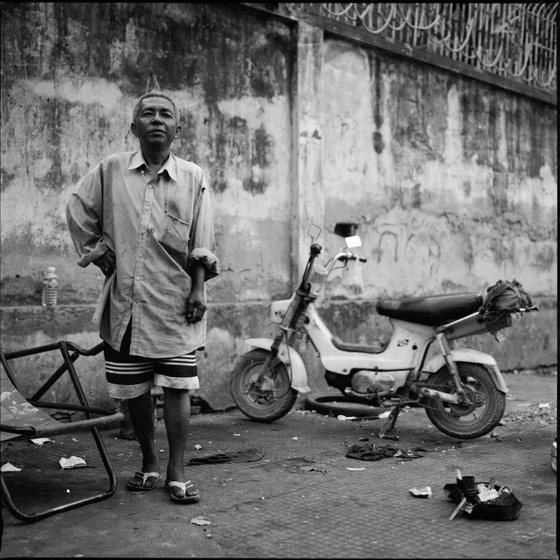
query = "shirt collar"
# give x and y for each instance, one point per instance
(170, 165)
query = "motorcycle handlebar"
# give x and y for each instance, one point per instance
(315, 249)
(349, 256)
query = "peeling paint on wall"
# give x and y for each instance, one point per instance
(452, 211)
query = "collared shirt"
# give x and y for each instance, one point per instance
(157, 228)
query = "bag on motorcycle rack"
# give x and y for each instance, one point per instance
(504, 297)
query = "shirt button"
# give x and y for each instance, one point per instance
(143, 231)
(138, 278)
(140, 255)
(146, 207)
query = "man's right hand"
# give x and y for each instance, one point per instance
(107, 263)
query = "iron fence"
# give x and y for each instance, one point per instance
(515, 41)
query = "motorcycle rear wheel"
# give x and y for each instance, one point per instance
(273, 400)
(466, 421)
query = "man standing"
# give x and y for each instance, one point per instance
(145, 219)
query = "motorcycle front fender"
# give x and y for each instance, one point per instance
(290, 358)
(469, 355)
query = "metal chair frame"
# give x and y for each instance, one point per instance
(19, 431)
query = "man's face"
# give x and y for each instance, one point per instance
(156, 125)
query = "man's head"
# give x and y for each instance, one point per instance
(136, 109)
(155, 121)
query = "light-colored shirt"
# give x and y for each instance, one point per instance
(157, 228)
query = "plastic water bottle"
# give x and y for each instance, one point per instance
(50, 287)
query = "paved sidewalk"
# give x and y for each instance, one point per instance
(303, 498)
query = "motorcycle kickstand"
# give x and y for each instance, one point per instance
(390, 423)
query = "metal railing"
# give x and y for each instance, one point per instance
(511, 40)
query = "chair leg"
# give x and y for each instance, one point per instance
(37, 516)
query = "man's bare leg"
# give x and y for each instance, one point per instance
(177, 415)
(141, 410)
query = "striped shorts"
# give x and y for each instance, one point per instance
(131, 376)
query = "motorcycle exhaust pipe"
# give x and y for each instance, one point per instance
(439, 395)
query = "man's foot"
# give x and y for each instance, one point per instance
(142, 482)
(182, 492)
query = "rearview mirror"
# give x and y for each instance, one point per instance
(353, 241)
(314, 231)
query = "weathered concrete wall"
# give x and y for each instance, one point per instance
(451, 183)
(69, 87)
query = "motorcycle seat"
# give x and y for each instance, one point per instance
(431, 310)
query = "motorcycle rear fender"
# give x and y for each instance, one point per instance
(290, 358)
(470, 356)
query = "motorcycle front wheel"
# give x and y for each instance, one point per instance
(273, 399)
(466, 421)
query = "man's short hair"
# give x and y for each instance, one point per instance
(136, 109)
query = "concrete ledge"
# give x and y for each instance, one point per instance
(530, 344)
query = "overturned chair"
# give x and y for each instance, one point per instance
(27, 418)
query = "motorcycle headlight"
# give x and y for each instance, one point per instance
(318, 274)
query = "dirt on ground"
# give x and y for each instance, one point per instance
(531, 398)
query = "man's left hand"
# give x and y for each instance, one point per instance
(196, 307)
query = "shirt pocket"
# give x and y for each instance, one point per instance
(175, 233)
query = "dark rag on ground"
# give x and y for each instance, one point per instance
(243, 456)
(370, 452)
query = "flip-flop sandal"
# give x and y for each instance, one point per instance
(145, 477)
(183, 486)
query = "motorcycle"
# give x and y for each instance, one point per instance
(462, 389)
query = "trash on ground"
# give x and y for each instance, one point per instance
(241, 456)
(310, 469)
(370, 452)
(8, 467)
(482, 500)
(385, 414)
(198, 446)
(487, 495)
(384, 436)
(544, 405)
(424, 492)
(72, 463)
(41, 441)
(343, 418)
(355, 468)
(201, 521)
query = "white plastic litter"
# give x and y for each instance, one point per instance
(201, 521)
(424, 492)
(72, 463)
(8, 467)
(41, 441)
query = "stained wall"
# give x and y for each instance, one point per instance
(451, 183)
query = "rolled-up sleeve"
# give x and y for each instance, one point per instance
(202, 241)
(84, 213)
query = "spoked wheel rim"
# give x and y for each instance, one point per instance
(273, 399)
(270, 390)
(484, 411)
